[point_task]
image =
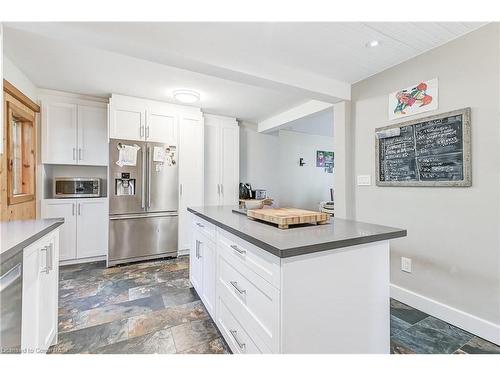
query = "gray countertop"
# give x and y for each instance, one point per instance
(296, 240)
(16, 235)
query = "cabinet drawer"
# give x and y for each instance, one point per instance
(204, 227)
(253, 301)
(237, 338)
(240, 252)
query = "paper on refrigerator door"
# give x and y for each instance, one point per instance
(127, 155)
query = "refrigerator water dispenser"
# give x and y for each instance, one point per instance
(125, 185)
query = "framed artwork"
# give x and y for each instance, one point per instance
(418, 98)
(324, 158)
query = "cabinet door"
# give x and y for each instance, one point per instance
(92, 228)
(229, 162)
(208, 258)
(59, 133)
(196, 263)
(212, 163)
(40, 293)
(55, 208)
(48, 304)
(190, 174)
(161, 127)
(127, 123)
(92, 135)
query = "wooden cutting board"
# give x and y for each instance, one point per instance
(288, 216)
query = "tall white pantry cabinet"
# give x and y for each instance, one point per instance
(222, 145)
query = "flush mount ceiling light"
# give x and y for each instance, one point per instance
(373, 43)
(186, 96)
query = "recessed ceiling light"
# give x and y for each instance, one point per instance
(186, 96)
(373, 43)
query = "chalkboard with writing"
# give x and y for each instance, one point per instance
(431, 151)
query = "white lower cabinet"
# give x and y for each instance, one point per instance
(244, 304)
(332, 301)
(40, 294)
(84, 233)
(203, 260)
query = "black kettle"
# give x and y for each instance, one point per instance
(245, 191)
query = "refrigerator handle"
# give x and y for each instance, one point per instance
(150, 165)
(143, 195)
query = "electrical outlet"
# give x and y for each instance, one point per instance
(406, 264)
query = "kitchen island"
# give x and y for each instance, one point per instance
(310, 289)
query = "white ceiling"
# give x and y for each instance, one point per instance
(319, 123)
(248, 70)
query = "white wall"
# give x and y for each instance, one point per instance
(453, 233)
(306, 186)
(271, 162)
(259, 154)
(15, 76)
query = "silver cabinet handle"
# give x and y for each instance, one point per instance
(10, 276)
(147, 132)
(222, 189)
(234, 247)
(46, 249)
(79, 209)
(50, 254)
(200, 225)
(74, 153)
(180, 189)
(235, 286)
(198, 243)
(73, 209)
(218, 189)
(234, 333)
(141, 131)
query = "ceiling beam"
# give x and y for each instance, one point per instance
(278, 121)
(270, 76)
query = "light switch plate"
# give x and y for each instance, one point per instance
(406, 264)
(364, 180)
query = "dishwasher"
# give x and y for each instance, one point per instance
(11, 296)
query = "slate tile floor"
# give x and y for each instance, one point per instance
(146, 307)
(151, 307)
(413, 331)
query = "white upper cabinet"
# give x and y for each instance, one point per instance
(127, 122)
(73, 131)
(221, 160)
(161, 126)
(92, 133)
(138, 119)
(59, 132)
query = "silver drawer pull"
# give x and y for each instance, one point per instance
(234, 247)
(235, 286)
(200, 225)
(198, 243)
(46, 269)
(240, 344)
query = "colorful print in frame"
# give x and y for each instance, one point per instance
(418, 98)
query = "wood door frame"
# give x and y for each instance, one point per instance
(13, 110)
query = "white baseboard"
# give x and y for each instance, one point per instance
(471, 323)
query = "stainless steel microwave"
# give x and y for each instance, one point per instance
(77, 187)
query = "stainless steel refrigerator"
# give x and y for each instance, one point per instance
(143, 201)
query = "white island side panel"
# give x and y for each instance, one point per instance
(336, 301)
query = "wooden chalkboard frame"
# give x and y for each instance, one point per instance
(466, 137)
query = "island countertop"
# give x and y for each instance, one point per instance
(16, 235)
(284, 243)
